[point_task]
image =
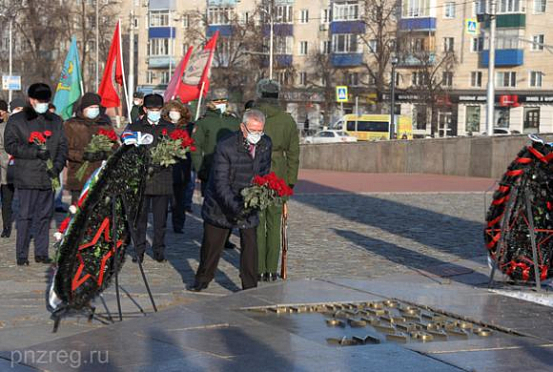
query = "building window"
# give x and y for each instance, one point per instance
(185, 21)
(346, 11)
(502, 117)
(135, 22)
(536, 79)
(476, 79)
(245, 18)
(531, 120)
(159, 18)
(418, 78)
(150, 76)
(165, 77)
(303, 48)
(284, 14)
(477, 44)
(326, 46)
(447, 78)
(420, 117)
(480, 7)
(353, 80)
(449, 44)
(449, 10)
(284, 44)
(218, 16)
(158, 47)
(472, 120)
(345, 43)
(539, 6)
(415, 8)
(537, 42)
(304, 16)
(303, 78)
(510, 6)
(373, 46)
(326, 16)
(507, 79)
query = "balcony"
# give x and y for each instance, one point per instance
(161, 32)
(159, 61)
(280, 29)
(503, 57)
(224, 30)
(281, 60)
(417, 24)
(424, 59)
(347, 27)
(509, 21)
(346, 59)
(222, 2)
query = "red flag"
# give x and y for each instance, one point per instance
(197, 73)
(113, 73)
(173, 86)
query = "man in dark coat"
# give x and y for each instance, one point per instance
(238, 158)
(159, 186)
(33, 180)
(79, 131)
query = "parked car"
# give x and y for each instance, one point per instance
(330, 136)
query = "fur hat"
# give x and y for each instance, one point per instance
(40, 91)
(90, 99)
(18, 102)
(153, 101)
(3, 105)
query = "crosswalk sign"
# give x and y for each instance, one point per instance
(471, 26)
(341, 94)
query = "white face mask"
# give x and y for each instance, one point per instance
(221, 107)
(137, 102)
(15, 111)
(41, 107)
(92, 112)
(174, 116)
(254, 138)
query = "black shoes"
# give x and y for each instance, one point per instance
(267, 277)
(43, 259)
(178, 231)
(229, 245)
(6, 232)
(198, 287)
(139, 256)
(22, 262)
(160, 258)
(188, 210)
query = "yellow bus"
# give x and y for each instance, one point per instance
(374, 127)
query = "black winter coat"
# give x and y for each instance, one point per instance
(161, 180)
(234, 169)
(29, 171)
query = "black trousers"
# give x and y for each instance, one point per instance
(212, 246)
(159, 205)
(178, 213)
(36, 208)
(7, 192)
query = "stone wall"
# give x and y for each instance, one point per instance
(459, 156)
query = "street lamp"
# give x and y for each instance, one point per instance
(394, 62)
(271, 39)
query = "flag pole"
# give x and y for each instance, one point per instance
(200, 101)
(127, 102)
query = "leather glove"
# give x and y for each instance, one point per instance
(43, 154)
(52, 173)
(93, 156)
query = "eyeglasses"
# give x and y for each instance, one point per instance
(261, 133)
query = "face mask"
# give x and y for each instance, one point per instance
(17, 110)
(41, 107)
(154, 116)
(221, 107)
(92, 113)
(174, 115)
(137, 102)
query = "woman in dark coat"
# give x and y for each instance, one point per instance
(178, 114)
(79, 131)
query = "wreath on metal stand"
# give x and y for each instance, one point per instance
(519, 224)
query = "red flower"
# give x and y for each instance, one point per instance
(273, 182)
(64, 224)
(164, 132)
(108, 133)
(192, 148)
(37, 137)
(47, 134)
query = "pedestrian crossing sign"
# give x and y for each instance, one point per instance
(341, 94)
(471, 26)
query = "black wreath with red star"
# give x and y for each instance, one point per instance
(507, 231)
(85, 258)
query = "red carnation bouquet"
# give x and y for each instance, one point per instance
(101, 142)
(266, 191)
(171, 147)
(39, 139)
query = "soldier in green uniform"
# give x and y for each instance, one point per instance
(284, 134)
(217, 124)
